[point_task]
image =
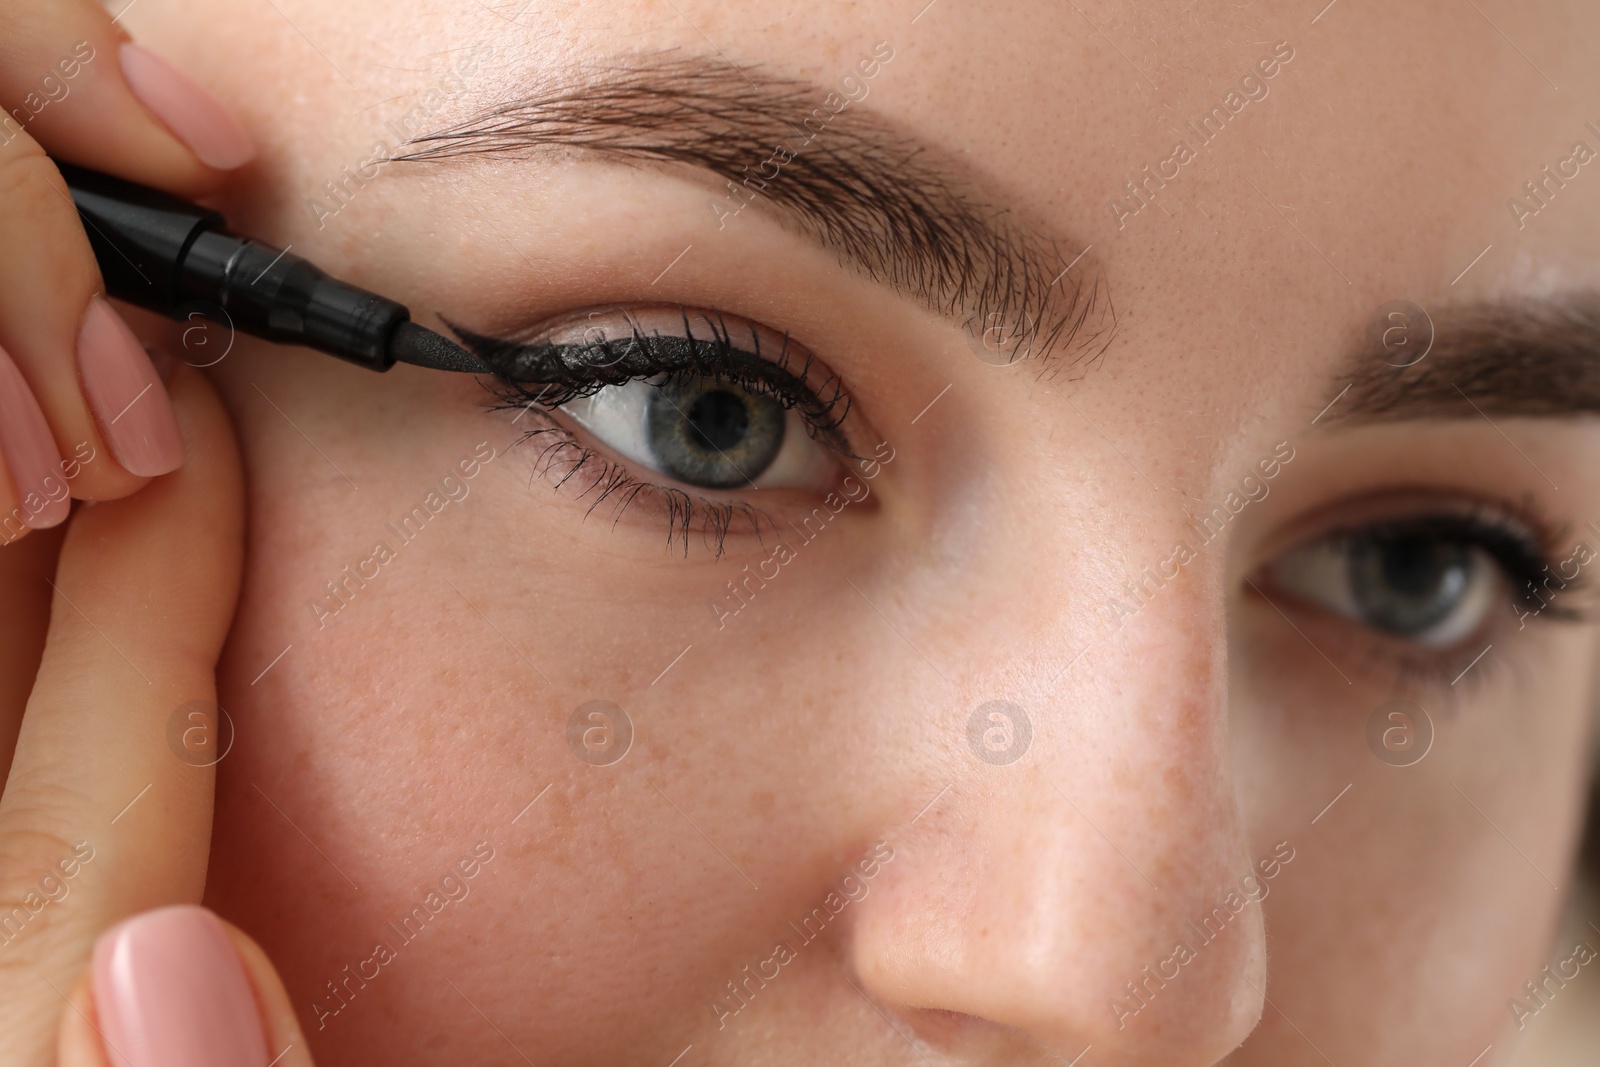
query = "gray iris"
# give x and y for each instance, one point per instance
(712, 434)
(1408, 585)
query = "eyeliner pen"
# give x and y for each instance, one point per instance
(176, 258)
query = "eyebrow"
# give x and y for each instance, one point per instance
(902, 213)
(1524, 358)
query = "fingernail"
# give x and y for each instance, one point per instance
(194, 116)
(125, 393)
(170, 992)
(30, 456)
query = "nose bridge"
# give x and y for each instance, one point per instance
(1072, 892)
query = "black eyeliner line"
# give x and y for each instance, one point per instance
(563, 372)
(569, 371)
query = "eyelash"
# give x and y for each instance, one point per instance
(1520, 541)
(1523, 556)
(542, 377)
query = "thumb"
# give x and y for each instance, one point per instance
(178, 987)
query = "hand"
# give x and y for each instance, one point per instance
(101, 818)
(107, 811)
(74, 381)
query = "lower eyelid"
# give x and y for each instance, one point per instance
(690, 515)
(566, 462)
(615, 417)
(799, 460)
(1352, 652)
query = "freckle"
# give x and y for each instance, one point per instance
(762, 803)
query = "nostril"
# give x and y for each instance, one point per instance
(980, 1040)
(948, 1031)
(944, 1018)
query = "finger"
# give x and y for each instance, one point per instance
(33, 495)
(22, 628)
(178, 987)
(72, 80)
(71, 83)
(103, 400)
(145, 588)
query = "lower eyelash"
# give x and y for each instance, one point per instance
(1436, 674)
(608, 480)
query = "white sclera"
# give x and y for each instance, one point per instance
(615, 415)
(1320, 574)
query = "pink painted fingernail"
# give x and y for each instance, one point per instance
(126, 395)
(30, 456)
(170, 991)
(194, 116)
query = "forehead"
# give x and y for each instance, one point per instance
(1255, 178)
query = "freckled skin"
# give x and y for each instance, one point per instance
(429, 712)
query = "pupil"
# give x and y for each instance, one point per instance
(712, 435)
(1408, 585)
(1414, 568)
(718, 420)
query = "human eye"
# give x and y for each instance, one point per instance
(1432, 579)
(697, 410)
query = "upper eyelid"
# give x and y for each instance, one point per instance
(907, 213)
(1519, 544)
(1407, 502)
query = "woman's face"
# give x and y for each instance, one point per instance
(1057, 609)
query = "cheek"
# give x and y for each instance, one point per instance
(391, 733)
(423, 711)
(1405, 858)
(396, 740)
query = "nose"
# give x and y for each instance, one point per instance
(1098, 893)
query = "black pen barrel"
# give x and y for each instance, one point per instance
(170, 256)
(139, 236)
(268, 292)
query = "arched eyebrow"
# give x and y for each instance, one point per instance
(1529, 358)
(901, 212)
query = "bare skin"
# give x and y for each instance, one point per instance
(1197, 764)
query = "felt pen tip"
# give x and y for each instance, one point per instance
(421, 347)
